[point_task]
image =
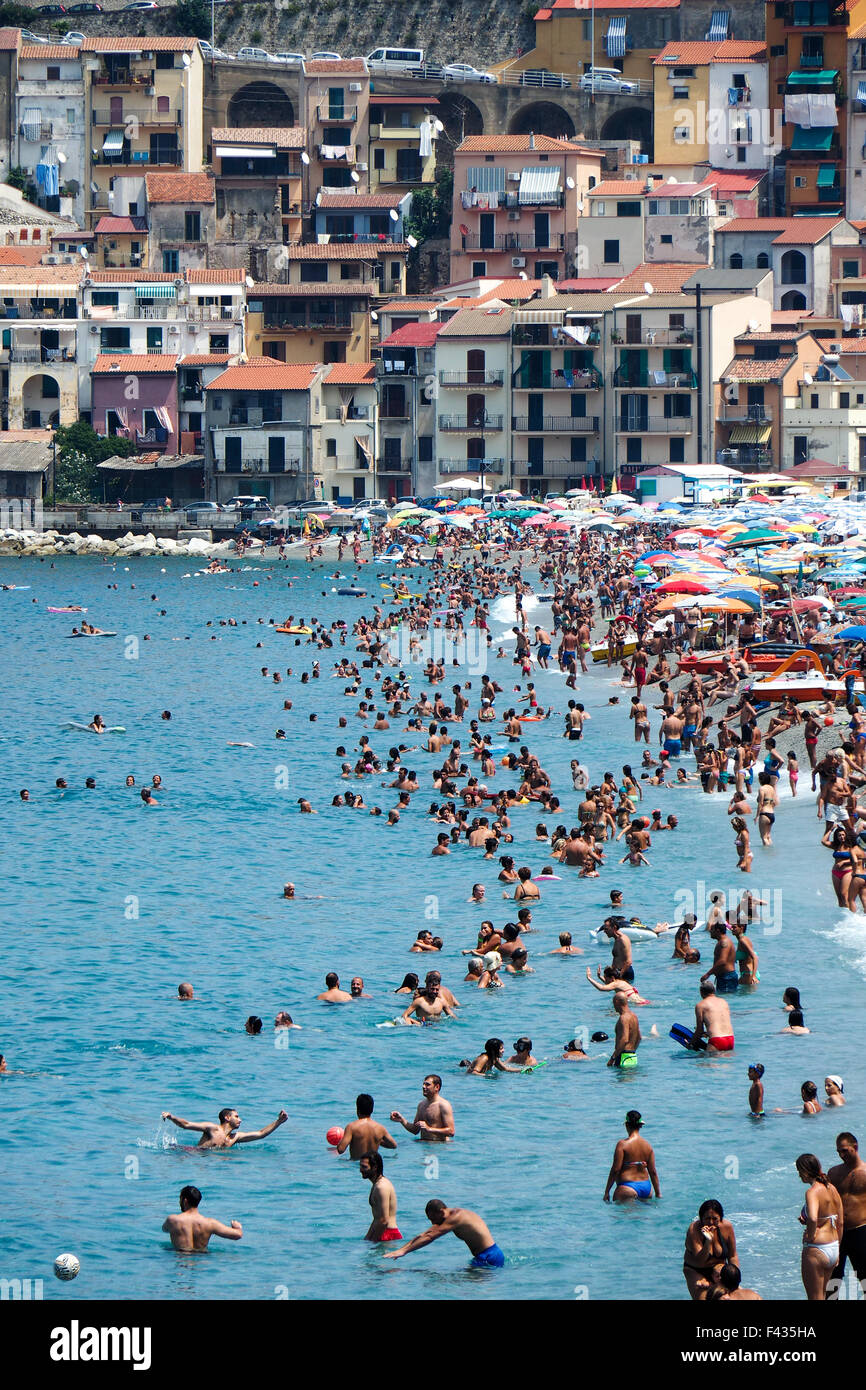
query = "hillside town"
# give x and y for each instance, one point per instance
(631, 258)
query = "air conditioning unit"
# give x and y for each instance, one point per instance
(518, 261)
(94, 328)
(514, 178)
(52, 260)
(361, 168)
(356, 87)
(514, 217)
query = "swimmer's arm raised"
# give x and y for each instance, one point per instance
(251, 1135)
(204, 1127)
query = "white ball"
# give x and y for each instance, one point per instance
(67, 1266)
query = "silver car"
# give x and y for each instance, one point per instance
(606, 80)
(465, 72)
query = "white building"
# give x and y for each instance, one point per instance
(49, 131)
(348, 433)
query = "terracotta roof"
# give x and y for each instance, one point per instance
(587, 284)
(772, 335)
(618, 188)
(520, 144)
(326, 66)
(782, 316)
(48, 50)
(797, 230)
(350, 374)
(421, 306)
(343, 250)
(460, 302)
(179, 188)
(511, 289)
(478, 323)
(134, 364)
(818, 468)
(284, 137)
(668, 277)
(21, 255)
(413, 335)
(735, 181)
(725, 51)
(216, 277)
(139, 43)
(266, 374)
(313, 291)
(840, 344)
(75, 235)
(206, 359)
(44, 274)
(361, 201)
(108, 225)
(751, 369)
(9, 38)
(132, 276)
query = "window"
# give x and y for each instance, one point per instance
(114, 340)
(611, 252)
(801, 448)
(578, 449)
(334, 352)
(738, 79)
(628, 209)
(218, 342)
(681, 93)
(762, 260)
(109, 298)
(682, 134)
(677, 448)
(395, 270)
(70, 115)
(586, 30)
(170, 262)
(677, 322)
(684, 72)
(165, 60)
(154, 339)
(741, 154)
(633, 450)
(597, 208)
(666, 239)
(677, 407)
(850, 270)
(331, 448)
(379, 159)
(844, 400)
(479, 268)
(192, 226)
(814, 401)
(793, 268)
(735, 261)
(799, 183)
(314, 272)
(425, 448)
(53, 74)
(350, 270)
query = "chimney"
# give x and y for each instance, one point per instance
(532, 140)
(547, 290)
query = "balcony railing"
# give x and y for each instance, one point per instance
(744, 455)
(812, 60)
(473, 467)
(514, 241)
(172, 157)
(660, 337)
(156, 437)
(255, 415)
(535, 335)
(191, 393)
(354, 412)
(489, 202)
(631, 380)
(472, 380)
(347, 463)
(336, 115)
(393, 465)
(555, 424)
(550, 468)
(215, 313)
(581, 379)
(150, 116)
(463, 423)
(25, 309)
(761, 414)
(331, 323)
(348, 157)
(655, 424)
(124, 77)
(259, 465)
(35, 354)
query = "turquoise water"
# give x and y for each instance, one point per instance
(108, 905)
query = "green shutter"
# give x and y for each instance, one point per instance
(545, 367)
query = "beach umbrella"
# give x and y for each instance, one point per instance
(599, 523)
(750, 538)
(683, 585)
(720, 603)
(747, 596)
(853, 634)
(558, 525)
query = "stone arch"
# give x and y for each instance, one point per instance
(542, 118)
(460, 117)
(793, 299)
(260, 104)
(629, 122)
(40, 401)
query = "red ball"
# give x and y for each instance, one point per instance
(828, 721)
(334, 1135)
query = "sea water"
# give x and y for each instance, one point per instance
(108, 905)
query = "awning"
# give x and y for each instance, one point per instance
(31, 123)
(719, 26)
(812, 139)
(541, 185)
(163, 417)
(113, 142)
(160, 291)
(750, 434)
(861, 91)
(813, 79)
(827, 175)
(537, 316)
(245, 151)
(614, 39)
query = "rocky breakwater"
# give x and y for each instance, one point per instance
(43, 544)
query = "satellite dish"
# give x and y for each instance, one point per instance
(185, 59)
(61, 157)
(523, 275)
(647, 287)
(83, 251)
(249, 282)
(754, 325)
(412, 241)
(355, 177)
(807, 378)
(374, 316)
(318, 197)
(438, 126)
(305, 158)
(569, 182)
(94, 188)
(394, 215)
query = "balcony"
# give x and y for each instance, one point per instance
(258, 465)
(173, 158)
(347, 463)
(555, 424)
(536, 335)
(215, 313)
(299, 323)
(254, 415)
(489, 202)
(658, 337)
(123, 77)
(461, 424)
(655, 424)
(513, 241)
(472, 381)
(550, 468)
(336, 115)
(191, 393)
(744, 456)
(392, 465)
(473, 467)
(735, 414)
(149, 116)
(353, 412)
(581, 379)
(630, 380)
(154, 438)
(41, 355)
(27, 309)
(348, 157)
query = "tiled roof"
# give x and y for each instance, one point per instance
(132, 276)
(668, 277)
(44, 274)
(108, 225)
(587, 284)
(413, 335)
(134, 364)
(9, 38)
(350, 374)
(313, 291)
(205, 359)
(420, 306)
(343, 250)
(266, 374)
(735, 180)
(725, 51)
(751, 369)
(362, 202)
(853, 345)
(773, 335)
(511, 289)
(782, 316)
(285, 138)
(139, 43)
(328, 66)
(818, 468)
(478, 323)
(216, 277)
(179, 188)
(618, 188)
(48, 50)
(21, 255)
(520, 144)
(807, 229)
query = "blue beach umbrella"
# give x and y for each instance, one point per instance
(857, 633)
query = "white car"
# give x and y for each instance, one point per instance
(294, 58)
(253, 55)
(30, 37)
(327, 57)
(606, 80)
(464, 72)
(208, 51)
(73, 38)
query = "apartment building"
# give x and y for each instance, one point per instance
(808, 43)
(629, 221)
(181, 220)
(798, 250)
(134, 396)
(260, 417)
(336, 105)
(309, 322)
(855, 188)
(403, 132)
(408, 401)
(144, 110)
(262, 186)
(195, 372)
(766, 372)
(572, 35)
(50, 136)
(711, 104)
(40, 364)
(347, 437)
(826, 419)
(516, 205)
(380, 266)
(473, 378)
(364, 217)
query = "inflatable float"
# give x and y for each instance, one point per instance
(66, 610)
(634, 933)
(91, 634)
(298, 631)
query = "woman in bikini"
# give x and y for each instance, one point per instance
(744, 860)
(824, 1221)
(632, 1173)
(746, 957)
(842, 873)
(609, 981)
(489, 1060)
(710, 1243)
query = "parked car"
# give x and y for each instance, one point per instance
(50, 11)
(540, 77)
(399, 60)
(29, 37)
(295, 59)
(73, 39)
(606, 80)
(465, 72)
(248, 502)
(142, 5)
(327, 57)
(209, 52)
(89, 7)
(253, 55)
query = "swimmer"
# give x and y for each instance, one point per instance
(189, 1231)
(756, 1090)
(809, 1094)
(356, 987)
(713, 1017)
(609, 982)
(434, 1117)
(284, 1020)
(185, 991)
(253, 1025)
(632, 1173)
(227, 1130)
(428, 1005)
(288, 890)
(834, 1090)
(465, 1225)
(332, 993)
(627, 1034)
(97, 724)
(364, 1135)
(489, 1060)
(573, 1052)
(523, 1054)
(383, 1200)
(565, 948)
(148, 797)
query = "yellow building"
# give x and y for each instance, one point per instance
(573, 35)
(708, 101)
(309, 323)
(403, 135)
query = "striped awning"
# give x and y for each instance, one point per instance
(159, 291)
(541, 185)
(614, 39)
(113, 142)
(861, 91)
(537, 316)
(750, 434)
(720, 23)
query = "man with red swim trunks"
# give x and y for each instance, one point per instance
(713, 1018)
(383, 1200)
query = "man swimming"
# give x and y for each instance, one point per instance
(190, 1232)
(227, 1131)
(434, 1118)
(364, 1135)
(465, 1225)
(383, 1200)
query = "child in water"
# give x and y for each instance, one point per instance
(756, 1090)
(793, 772)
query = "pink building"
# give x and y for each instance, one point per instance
(136, 397)
(516, 203)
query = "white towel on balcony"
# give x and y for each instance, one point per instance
(425, 139)
(822, 110)
(797, 109)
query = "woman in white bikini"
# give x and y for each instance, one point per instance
(824, 1222)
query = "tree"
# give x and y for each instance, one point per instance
(16, 178)
(79, 450)
(430, 215)
(193, 17)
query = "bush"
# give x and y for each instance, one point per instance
(16, 178)
(193, 17)
(256, 36)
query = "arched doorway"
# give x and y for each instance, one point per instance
(631, 123)
(261, 104)
(793, 268)
(542, 118)
(40, 402)
(793, 300)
